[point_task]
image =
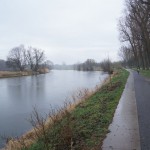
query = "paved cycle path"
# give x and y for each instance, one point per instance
(142, 93)
(124, 130)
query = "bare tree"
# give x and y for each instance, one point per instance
(88, 65)
(17, 58)
(106, 65)
(127, 56)
(48, 64)
(134, 29)
(38, 58)
(30, 58)
(35, 58)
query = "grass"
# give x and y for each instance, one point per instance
(145, 73)
(83, 128)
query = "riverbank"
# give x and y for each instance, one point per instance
(11, 74)
(81, 126)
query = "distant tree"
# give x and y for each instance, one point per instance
(48, 64)
(3, 66)
(20, 59)
(106, 65)
(35, 58)
(39, 58)
(30, 58)
(117, 64)
(89, 64)
(17, 58)
(127, 56)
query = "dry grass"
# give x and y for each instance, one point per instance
(9, 74)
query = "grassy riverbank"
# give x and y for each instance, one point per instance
(82, 128)
(145, 73)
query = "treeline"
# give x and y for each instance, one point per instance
(3, 66)
(33, 59)
(134, 28)
(91, 65)
(88, 65)
(21, 59)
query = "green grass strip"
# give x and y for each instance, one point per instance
(145, 73)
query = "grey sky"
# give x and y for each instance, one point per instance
(68, 30)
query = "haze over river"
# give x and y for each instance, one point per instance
(19, 95)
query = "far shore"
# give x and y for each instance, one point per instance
(11, 74)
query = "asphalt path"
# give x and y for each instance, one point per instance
(124, 130)
(142, 94)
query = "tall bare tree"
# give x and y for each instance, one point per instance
(134, 29)
(35, 58)
(17, 58)
(20, 58)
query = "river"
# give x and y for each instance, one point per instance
(19, 95)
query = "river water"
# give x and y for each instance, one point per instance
(19, 95)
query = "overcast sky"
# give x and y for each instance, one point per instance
(68, 30)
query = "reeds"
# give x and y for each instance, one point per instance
(8, 74)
